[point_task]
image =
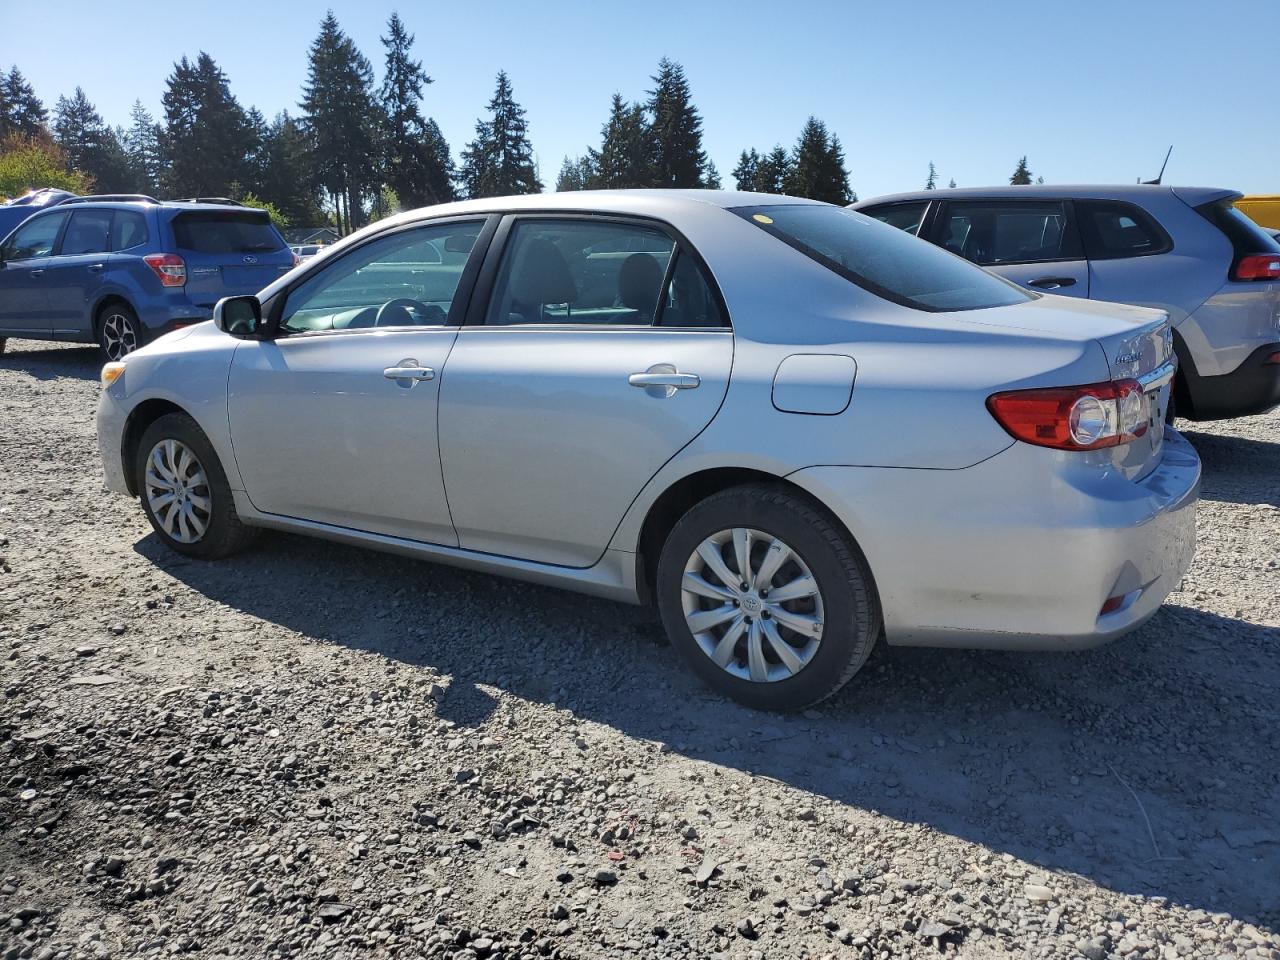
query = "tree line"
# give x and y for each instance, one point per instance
(356, 149)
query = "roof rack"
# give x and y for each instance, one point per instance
(224, 200)
(134, 197)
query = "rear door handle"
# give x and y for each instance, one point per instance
(663, 380)
(37, 273)
(96, 267)
(1052, 283)
(408, 372)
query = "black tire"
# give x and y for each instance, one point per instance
(224, 534)
(851, 621)
(119, 332)
(3, 342)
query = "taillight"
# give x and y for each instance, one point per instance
(1074, 418)
(169, 267)
(1257, 266)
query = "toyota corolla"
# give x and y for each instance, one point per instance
(792, 428)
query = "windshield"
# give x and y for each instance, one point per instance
(226, 233)
(882, 259)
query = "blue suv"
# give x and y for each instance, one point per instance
(121, 270)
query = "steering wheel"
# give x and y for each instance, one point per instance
(429, 312)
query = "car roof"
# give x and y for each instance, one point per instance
(1135, 193)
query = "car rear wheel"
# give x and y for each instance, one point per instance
(119, 333)
(185, 493)
(766, 598)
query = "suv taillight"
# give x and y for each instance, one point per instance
(1257, 266)
(169, 267)
(1074, 418)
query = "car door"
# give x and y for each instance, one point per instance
(334, 420)
(1032, 242)
(599, 352)
(1124, 244)
(76, 271)
(24, 300)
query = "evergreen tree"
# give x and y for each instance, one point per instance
(676, 130)
(142, 146)
(576, 174)
(1021, 174)
(22, 111)
(499, 161)
(818, 170)
(342, 119)
(932, 182)
(775, 171)
(624, 158)
(286, 179)
(90, 145)
(711, 177)
(1039, 180)
(952, 184)
(417, 164)
(205, 133)
(746, 174)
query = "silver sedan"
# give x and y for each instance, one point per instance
(792, 428)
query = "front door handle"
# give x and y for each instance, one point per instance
(37, 273)
(1052, 283)
(96, 267)
(663, 380)
(408, 372)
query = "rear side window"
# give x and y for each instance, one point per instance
(1008, 231)
(128, 229)
(689, 300)
(226, 233)
(904, 216)
(885, 261)
(1112, 230)
(88, 232)
(1246, 236)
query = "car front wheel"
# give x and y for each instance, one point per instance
(184, 490)
(767, 598)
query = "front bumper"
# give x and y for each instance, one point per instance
(111, 419)
(1022, 550)
(1253, 387)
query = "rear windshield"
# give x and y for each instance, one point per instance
(226, 233)
(1246, 236)
(888, 262)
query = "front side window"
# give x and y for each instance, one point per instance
(88, 232)
(404, 279)
(128, 229)
(226, 233)
(904, 216)
(1012, 231)
(885, 261)
(579, 271)
(1113, 229)
(35, 238)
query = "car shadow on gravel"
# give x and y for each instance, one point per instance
(1238, 469)
(1147, 766)
(49, 362)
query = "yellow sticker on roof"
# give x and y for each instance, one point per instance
(761, 218)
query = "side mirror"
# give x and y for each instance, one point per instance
(238, 316)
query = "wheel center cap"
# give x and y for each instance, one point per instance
(752, 604)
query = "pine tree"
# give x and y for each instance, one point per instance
(818, 170)
(952, 184)
(90, 145)
(711, 177)
(932, 182)
(746, 175)
(775, 171)
(1021, 174)
(286, 179)
(499, 161)
(412, 158)
(576, 174)
(676, 130)
(342, 119)
(206, 133)
(23, 113)
(141, 144)
(624, 158)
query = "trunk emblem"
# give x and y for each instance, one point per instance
(250, 259)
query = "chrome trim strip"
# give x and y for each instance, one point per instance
(1160, 375)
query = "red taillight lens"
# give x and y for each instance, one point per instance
(169, 267)
(1258, 266)
(1074, 418)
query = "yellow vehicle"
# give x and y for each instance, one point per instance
(1264, 209)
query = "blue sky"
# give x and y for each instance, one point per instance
(1090, 91)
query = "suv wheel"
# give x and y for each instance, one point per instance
(119, 333)
(766, 598)
(185, 493)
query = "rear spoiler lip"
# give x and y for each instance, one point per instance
(1198, 196)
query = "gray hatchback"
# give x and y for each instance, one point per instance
(1186, 250)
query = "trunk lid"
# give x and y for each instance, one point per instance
(229, 252)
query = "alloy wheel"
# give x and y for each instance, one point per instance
(177, 491)
(119, 337)
(752, 604)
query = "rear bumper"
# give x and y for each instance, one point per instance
(1022, 550)
(1253, 387)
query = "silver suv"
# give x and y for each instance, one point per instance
(1186, 250)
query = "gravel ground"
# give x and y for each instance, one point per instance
(316, 750)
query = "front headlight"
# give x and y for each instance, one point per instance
(112, 372)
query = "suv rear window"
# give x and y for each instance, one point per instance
(1246, 236)
(883, 259)
(226, 233)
